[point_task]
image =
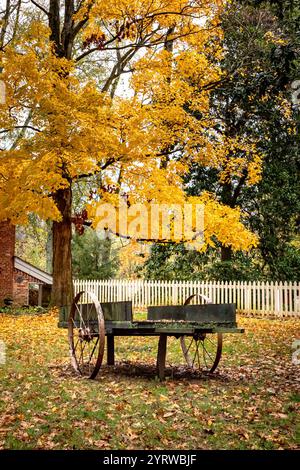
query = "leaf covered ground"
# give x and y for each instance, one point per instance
(251, 402)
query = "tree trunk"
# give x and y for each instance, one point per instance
(49, 247)
(227, 198)
(62, 289)
(106, 250)
(226, 253)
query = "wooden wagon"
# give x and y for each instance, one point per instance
(199, 328)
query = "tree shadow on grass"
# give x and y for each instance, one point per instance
(139, 370)
(274, 378)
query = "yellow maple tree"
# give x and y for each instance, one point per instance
(66, 118)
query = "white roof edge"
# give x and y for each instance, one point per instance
(32, 271)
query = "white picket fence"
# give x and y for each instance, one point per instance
(264, 298)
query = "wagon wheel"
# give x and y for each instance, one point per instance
(202, 351)
(86, 335)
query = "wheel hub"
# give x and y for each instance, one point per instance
(199, 336)
(86, 334)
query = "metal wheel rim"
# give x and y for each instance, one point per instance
(86, 340)
(195, 349)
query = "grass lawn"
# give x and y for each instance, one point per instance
(252, 401)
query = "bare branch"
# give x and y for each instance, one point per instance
(119, 67)
(23, 130)
(157, 42)
(20, 127)
(40, 7)
(5, 23)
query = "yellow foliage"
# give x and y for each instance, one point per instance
(145, 142)
(132, 256)
(272, 38)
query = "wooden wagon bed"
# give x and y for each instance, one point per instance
(90, 322)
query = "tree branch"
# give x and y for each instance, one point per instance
(21, 127)
(118, 68)
(157, 42)
(238, 188)
(40, 7)
(81, 23)
(109, 162)
(54, 23)
(4, 23)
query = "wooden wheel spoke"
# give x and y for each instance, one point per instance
(81, 352)
(97, 341)
(191, 342)
(89, 360)
(199, 362)
(211, 342)
(85, 343)
(204, 356)
(76, 344)
(80, 315)
(193, 362)
(204, 349)
(89, 311)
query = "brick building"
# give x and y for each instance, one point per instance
(18, 279)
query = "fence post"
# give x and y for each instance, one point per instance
(277, 298)
(247, 297)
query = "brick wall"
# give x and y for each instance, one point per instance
(7, 251)
(21, 288)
